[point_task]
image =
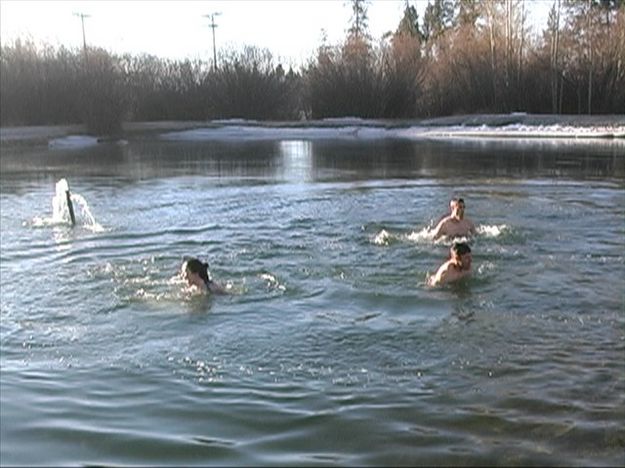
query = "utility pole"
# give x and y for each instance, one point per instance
(82, 17)
(590, 57)
(213, 25)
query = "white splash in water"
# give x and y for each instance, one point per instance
(60, 210)
(485, 269)
(268, 277)
(385, 237)
(272, 281)
(424, 235)
(381, 238)
(492, 231)
(59, 201)
(91, 223)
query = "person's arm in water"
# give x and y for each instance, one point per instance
(472, 229)
(439, 230)
(440, 277)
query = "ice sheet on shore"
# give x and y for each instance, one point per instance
(364, 130)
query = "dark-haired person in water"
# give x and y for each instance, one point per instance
(458, 266)
(196, 274)
(454, 224)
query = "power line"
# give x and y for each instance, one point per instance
(213, 25)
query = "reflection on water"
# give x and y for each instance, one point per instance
(330, 349)
(296, 159)
(326, 160)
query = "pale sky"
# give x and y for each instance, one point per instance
(290, 29)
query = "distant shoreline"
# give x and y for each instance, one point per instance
(477, 125)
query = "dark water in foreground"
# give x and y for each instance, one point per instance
(330, 351)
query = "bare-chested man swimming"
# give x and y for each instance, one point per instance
(455, 224)
(458, 266)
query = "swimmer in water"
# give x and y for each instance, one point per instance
(455, 224)
(458, 266)
(196, 274)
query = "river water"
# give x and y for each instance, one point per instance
(329, 349)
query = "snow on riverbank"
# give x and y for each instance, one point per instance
(73, 141)
(609, 129)
(369, 132)
(242, 132)
(526, 131)
(38, 133)
(508, 126)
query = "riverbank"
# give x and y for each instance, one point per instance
(516, 125)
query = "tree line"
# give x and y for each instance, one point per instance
(462, 57)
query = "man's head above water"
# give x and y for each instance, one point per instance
(457, 206)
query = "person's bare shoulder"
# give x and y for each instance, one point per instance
(445, 220)
(216, 288)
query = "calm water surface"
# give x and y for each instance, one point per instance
(330, 350)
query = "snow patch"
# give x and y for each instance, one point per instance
(368, 130)
(73, 141)
(527, 131)
(238, 132)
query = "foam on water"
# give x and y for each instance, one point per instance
(422, 236)
(87, 216)
(385, 237)
(144, 281)
(272, 282)
(494, 230)
(381, 238)
(44, 221)
(151, 281)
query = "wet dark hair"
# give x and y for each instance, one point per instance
(200, 268)
(461, 248)
(458, 200)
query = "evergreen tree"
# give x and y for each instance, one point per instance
(409, 24)
(359, 27)
(437, 18)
